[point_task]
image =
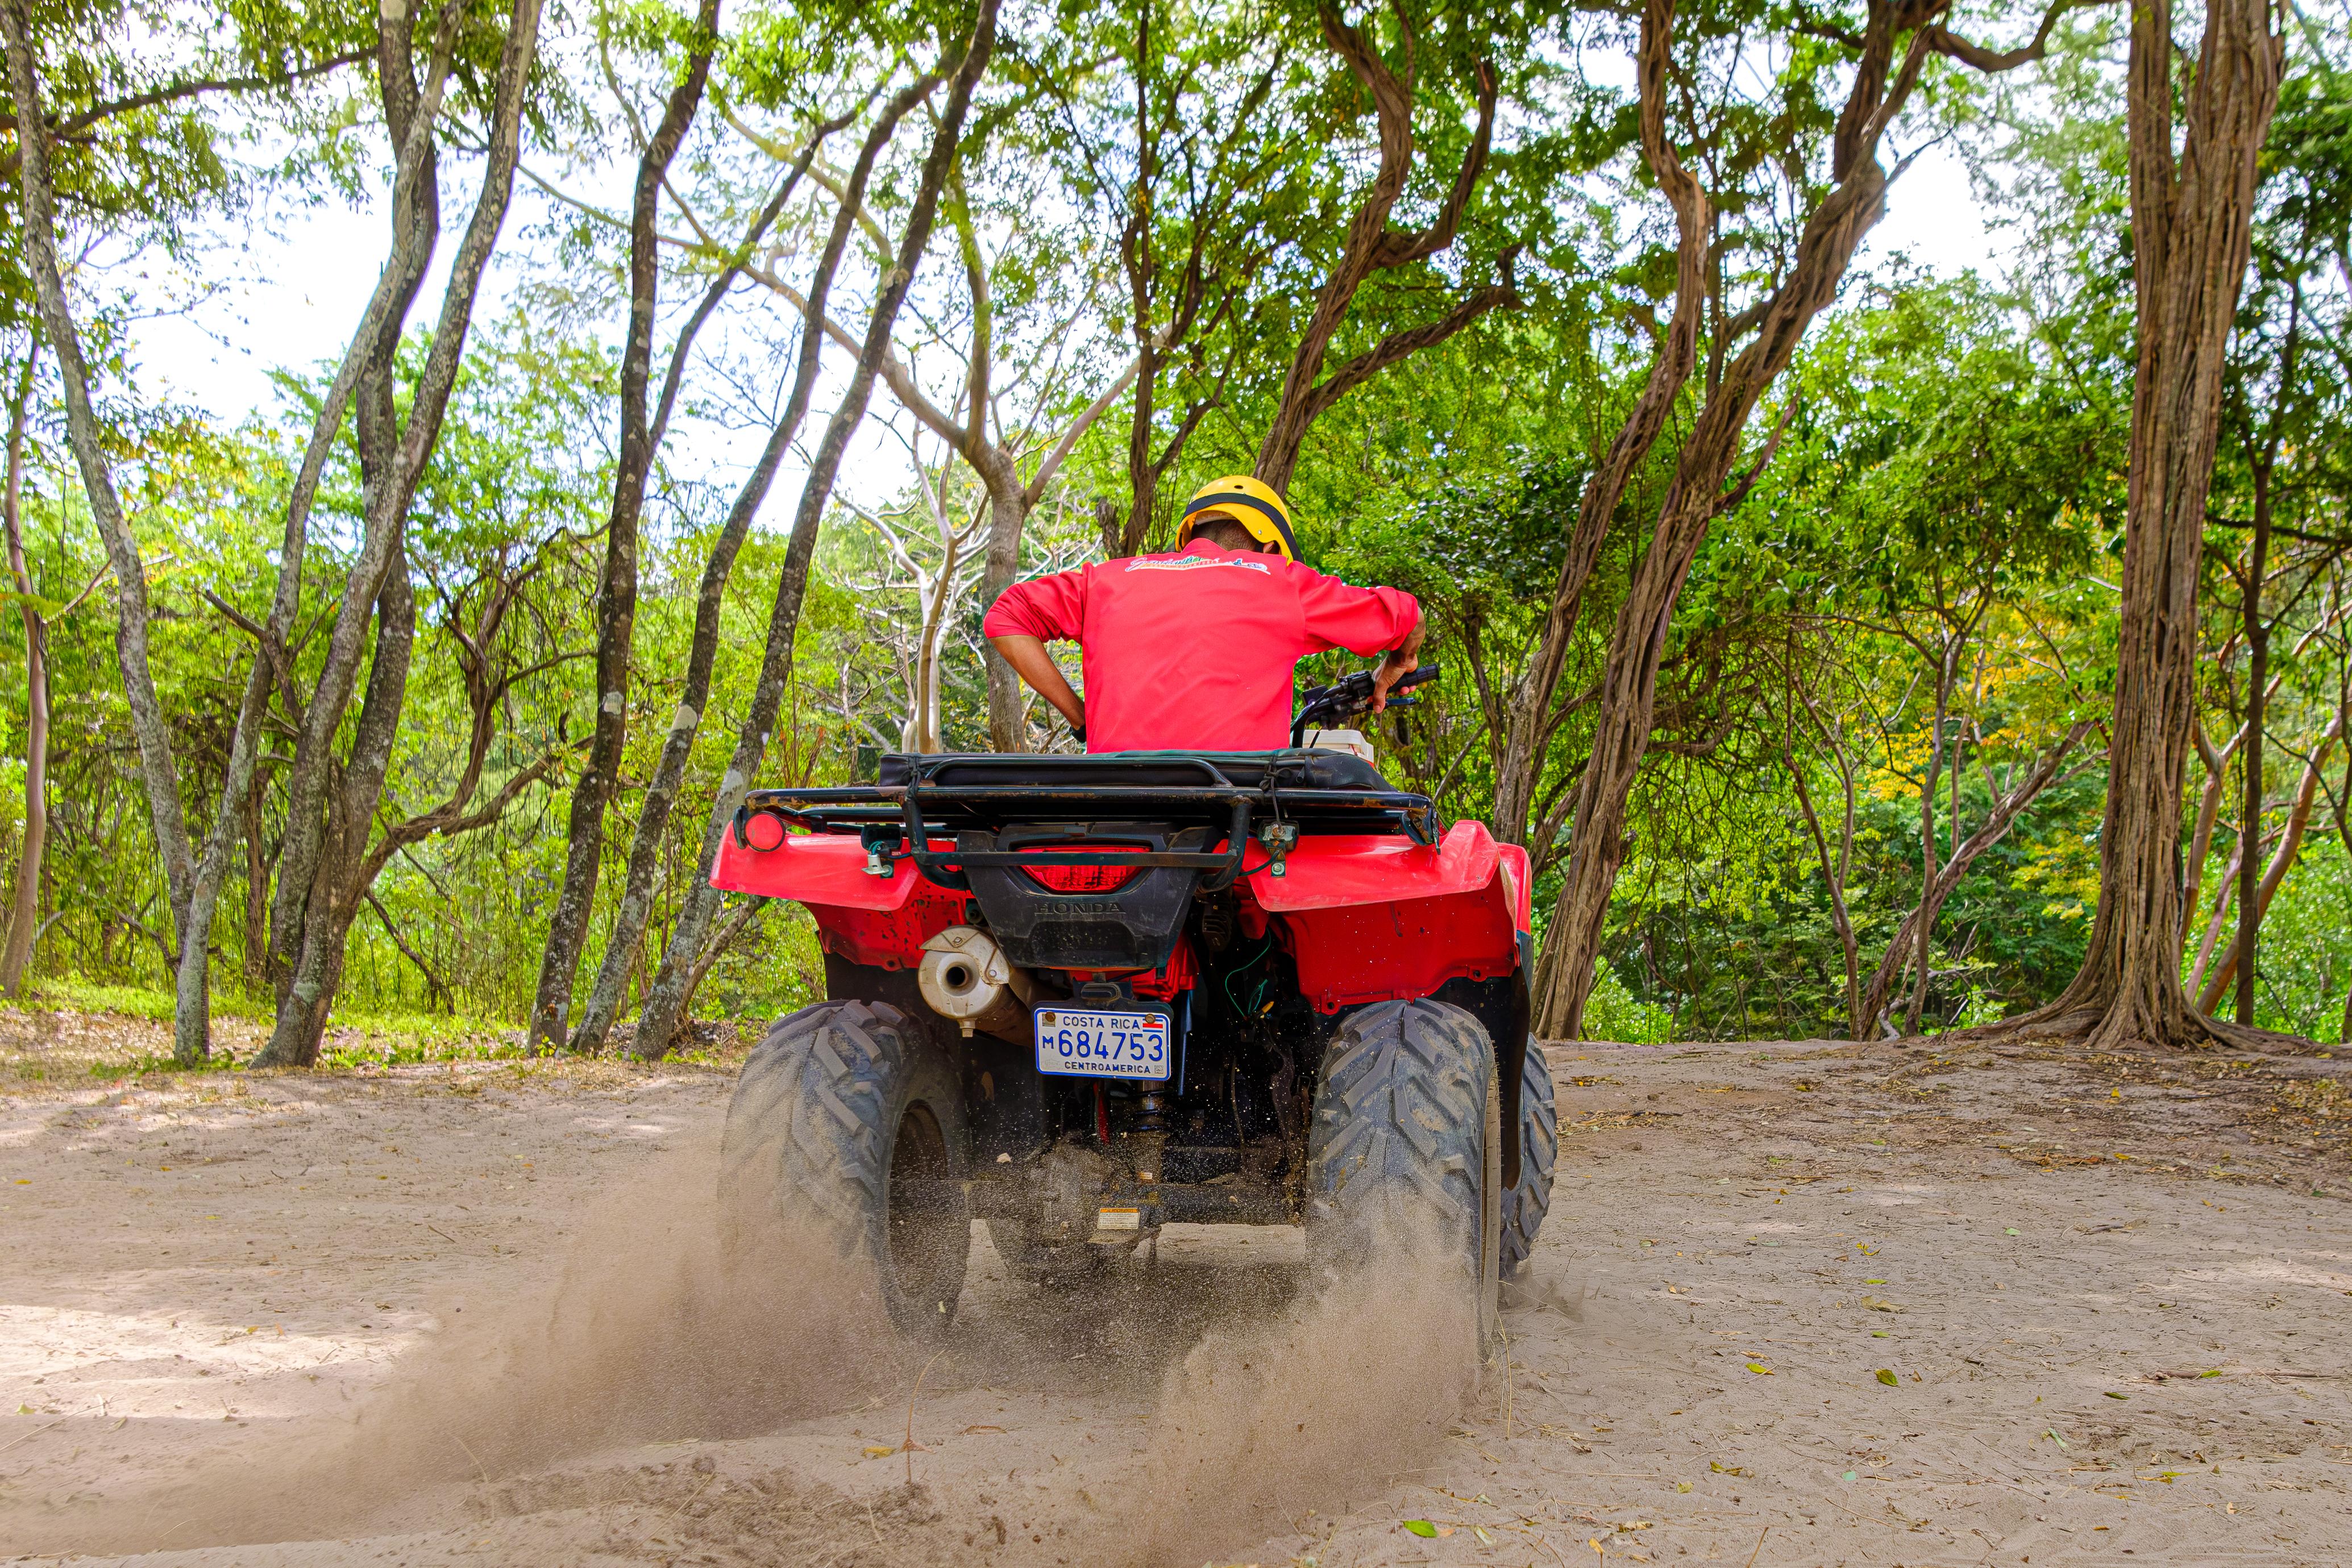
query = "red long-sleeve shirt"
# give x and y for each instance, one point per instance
(1193, 650)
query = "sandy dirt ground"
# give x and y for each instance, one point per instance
(1794, 1304)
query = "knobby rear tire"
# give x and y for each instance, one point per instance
(1405, 1146)
(1524, 1205)
(847, 1129)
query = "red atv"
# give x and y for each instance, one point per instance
(1081, 998)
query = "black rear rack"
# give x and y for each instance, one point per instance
(900, 821)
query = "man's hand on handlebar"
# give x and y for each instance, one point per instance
(1400, 663)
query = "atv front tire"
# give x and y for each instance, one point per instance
(1525, 1205)
(847, 1131)
(1405, 1146)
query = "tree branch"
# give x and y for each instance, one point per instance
(409, 953)
(1403, 345)
(1991, 61)
(67, 129)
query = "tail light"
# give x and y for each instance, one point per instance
(1084, 878)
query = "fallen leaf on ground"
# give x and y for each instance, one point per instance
(875, 1451)
(1759, 1369)
(970, 1429)
(1886, 1375)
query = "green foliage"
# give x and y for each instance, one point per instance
(1613, 1013)
(1949, 479)
(2305, 968)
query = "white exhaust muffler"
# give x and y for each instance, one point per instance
(965, 977)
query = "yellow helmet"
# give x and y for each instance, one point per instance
(1247, 501)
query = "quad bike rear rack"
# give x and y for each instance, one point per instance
(903, 820)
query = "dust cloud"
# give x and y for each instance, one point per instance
(1247, 1401)
(1351, 1386)
(647, 1335)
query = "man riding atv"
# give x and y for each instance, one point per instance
(1194, 650)
(1200, 975)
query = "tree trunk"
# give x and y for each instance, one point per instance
(158, 766)
(25, 909)
(1142, 473)
(621, 956)
(1008, 514)
(393, 458)
(1637, 641)
(665, 999)
(2263, 461)
(342, 882)
(2191, 242)
(938, 599)
(256, 891)
(310, 781)
(2258, 650)
(616, 600)
(1833, 876)
(1533, 721)
(1924, 924)
(2224, 899)
(2208, 808)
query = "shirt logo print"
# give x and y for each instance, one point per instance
(1193, 563)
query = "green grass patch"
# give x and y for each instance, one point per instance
(398, 1040)
(71, 993)
(460, 1039)
(354, 1041)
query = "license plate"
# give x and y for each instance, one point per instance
(1081, 1042)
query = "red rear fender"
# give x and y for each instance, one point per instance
(1326, 872)
(882, 921)
(1376, 918)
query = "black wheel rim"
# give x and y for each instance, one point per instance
(930, 1228)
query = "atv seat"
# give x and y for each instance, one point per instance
(1298, 768)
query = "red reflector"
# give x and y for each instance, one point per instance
(1084, 878)
(763, 831)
